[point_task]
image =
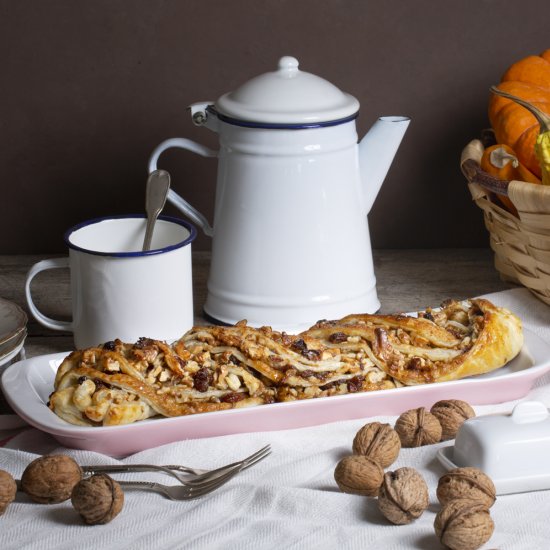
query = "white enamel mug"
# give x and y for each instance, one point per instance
(117, 290)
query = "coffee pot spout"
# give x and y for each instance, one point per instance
(376, 152)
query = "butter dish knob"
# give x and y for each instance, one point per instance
(529, 411)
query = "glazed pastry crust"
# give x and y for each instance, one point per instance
(122, 383)
(499, 341)
(219, 368)
(460, 339)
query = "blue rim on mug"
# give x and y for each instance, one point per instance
(190, 227)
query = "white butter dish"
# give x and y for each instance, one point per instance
(512, 449)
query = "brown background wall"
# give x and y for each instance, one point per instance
(89, 87)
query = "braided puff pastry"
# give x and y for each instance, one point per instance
(217, 368)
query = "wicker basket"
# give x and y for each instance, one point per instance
(521, 245)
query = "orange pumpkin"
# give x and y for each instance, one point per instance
(514, 126)
(501, 161)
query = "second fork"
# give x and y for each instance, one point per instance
(182, 492)
(172, 470)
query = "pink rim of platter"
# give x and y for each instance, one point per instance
(27, 385)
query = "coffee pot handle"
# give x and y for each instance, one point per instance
(190, 211)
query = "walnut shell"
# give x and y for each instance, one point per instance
(8, 489)
(403, 496)
(51, 478)
(464, 524)
(359, 475)
(379, 442)
(418, 427)
(451, 413)
(466, 483)
(98, 499)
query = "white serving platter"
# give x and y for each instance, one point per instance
(28, 384)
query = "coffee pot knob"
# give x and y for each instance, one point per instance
(288, 65)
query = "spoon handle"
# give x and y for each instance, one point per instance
(158, 185)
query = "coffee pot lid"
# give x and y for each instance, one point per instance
(287, 96)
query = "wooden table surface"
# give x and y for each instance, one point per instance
(407, 280)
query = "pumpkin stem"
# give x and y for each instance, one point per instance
(500, 158)
(542, 118)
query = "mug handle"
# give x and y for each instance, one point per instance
(190, 211)
(52, 263)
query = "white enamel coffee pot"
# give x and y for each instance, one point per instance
(290, 236)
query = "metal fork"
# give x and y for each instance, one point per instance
(173, 469)
(175, 492)
(183, 492)
(213, 474)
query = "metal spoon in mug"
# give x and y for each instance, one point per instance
(158, 185)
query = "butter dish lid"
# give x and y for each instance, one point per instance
(512, 449)
(288, 96)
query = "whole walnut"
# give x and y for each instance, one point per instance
(466, 483)
(379, 442)
(98, 499)
(418, 427)
(51, 478)
(451, 413)
(403, 496)
(464, 524)
(8, 489)
(359, 475)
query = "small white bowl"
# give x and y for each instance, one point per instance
(512, 449)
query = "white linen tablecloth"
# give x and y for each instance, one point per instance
(289, 500)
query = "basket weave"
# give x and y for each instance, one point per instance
(521, 246)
